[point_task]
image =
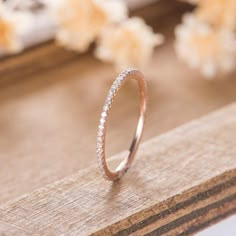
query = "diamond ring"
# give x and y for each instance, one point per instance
(116, 86)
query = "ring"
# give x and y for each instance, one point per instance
(126, 163)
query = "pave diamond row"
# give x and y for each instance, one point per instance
(104, 116)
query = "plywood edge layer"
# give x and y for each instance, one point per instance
(184, 213)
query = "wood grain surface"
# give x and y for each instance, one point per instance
(49, 118)
(181, 182)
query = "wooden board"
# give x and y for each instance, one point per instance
(181, 182)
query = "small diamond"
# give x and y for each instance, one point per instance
(102, 121)
(99, 139)
(101, 127)
(99, 145)
(99, 156)
(104, 114)
(99, 151)
(129, 71)
(108, 101)
(114, 87)
(109, 97)
(100, 133)
(121, 79)
(106, 108)
(118, 83)
(124, 74)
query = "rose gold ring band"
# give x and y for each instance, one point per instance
(126, 163)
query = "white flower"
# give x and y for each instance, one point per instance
(219, 13)
(80, 21)
(205, 48)
(129, 44)
(12, 27)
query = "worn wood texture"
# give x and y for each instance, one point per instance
(181, 182)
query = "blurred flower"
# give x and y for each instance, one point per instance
(129, 44)
(12, 26)
(80, 22)
(219, 13)
(203, 47)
